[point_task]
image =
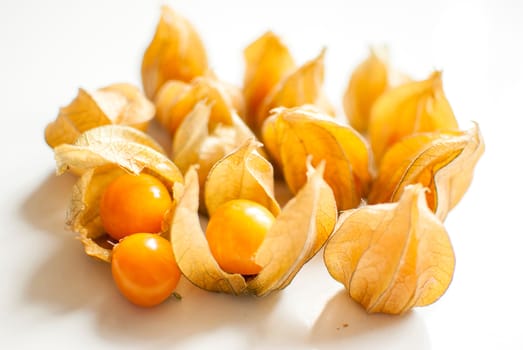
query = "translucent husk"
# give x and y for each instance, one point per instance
(241, 174)
(200, 142)
(298, 232)
(303, 86)
(414, 107)
(272, 80)
(267, 62)
(368, 81)
(101, 155)
(444, 163)
(392, 257)
(176, 52)
(291, 135)
(176, 99)
(118, 104)
(111, 144)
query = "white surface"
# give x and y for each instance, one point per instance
(52, 294)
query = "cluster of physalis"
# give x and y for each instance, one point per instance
(373, 194)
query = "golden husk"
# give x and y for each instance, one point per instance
(392, 257)
(176, 52)
(298, 232)
(291, 135)
(116, 104)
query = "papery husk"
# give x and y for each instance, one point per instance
(286, 247)
(83, 214)
(167, 95)
(196, 142)
(301, 87)
(135, 111)
(292, 134)
(193, 255)
(101, 155)
(114, 144)
(119, 104)
(414, 107)
(176, 99)
(190, 136)
(444, 163)
(222, 141)
(392, 257)
(242, 174)
(367, 82)
(235, 95)
(297, 234)
(176, 52)
(267, 62)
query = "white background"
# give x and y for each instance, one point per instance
(52, 294)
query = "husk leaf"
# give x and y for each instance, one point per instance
(242, 174)
(293, 134)
(100, 155)
(119, 145)
(190, 247)
(83, 214)
(414, 107)
(444, 163)
(196, 143)
(392, 257)
(367, 82)
(176, 99)
(176, 52)
(119, 104)
(298, 232)
(301, 229)
(267, 62)
(302, 86)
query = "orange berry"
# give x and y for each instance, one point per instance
(134, 203)
(235, 232)
(144, 268)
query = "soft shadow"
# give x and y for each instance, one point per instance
(198, 314)
(45, 206)
(345, 321)
(68, 281)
